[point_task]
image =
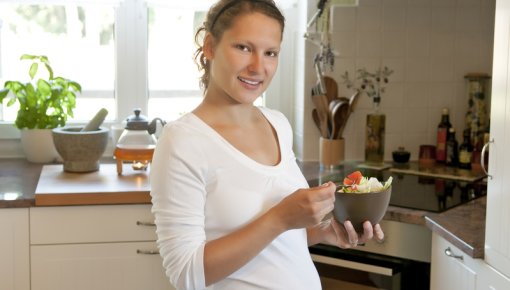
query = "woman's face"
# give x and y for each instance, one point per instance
(245, 59)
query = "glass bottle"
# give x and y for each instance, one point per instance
(466, 151)
(442, 135)
(452, 147)
(374, 136)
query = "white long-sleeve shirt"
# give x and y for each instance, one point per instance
(203, 188)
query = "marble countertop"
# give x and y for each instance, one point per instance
(464, 226)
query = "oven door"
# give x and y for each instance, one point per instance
(350, 269)
(360, 270)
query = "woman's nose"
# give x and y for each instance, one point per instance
(256, 63)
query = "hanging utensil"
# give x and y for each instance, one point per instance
(320, 77)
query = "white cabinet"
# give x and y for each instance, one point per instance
(497, 237)
(95, 247)
(451, 268)
(490, 279)
(14, 254)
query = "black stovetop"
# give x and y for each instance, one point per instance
(434, 194)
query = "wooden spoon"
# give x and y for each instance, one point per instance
(341, 118)
(331, 88)
(316, 119)
(321, 104)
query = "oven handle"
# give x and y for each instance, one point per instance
(353, 265)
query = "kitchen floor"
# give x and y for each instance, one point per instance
(332, 284)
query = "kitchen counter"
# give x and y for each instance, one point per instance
(464, 225)
(18, 180)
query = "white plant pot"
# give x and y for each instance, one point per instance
(38, 145)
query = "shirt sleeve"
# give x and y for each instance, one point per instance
(178, 200)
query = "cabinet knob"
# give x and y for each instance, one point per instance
(449, 253)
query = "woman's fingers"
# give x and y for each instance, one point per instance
(347, 237)
(368, 233)
(379, 234)
(351, 233)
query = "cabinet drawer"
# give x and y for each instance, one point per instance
(112, 266)
(451, 268)
(91, 224)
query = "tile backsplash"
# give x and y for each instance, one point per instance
(430, 44)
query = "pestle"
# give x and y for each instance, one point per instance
(93, 125)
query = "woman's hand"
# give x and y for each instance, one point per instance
(306, 207)
(344, 236)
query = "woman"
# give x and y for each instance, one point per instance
(233, 210)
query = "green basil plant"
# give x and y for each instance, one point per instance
(43, 103)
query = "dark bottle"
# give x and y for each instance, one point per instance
(452, 149)
(442, 135)
(466, 151)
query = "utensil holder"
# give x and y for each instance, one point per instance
(331, 152)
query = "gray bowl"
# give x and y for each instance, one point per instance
(79, 150)
(360, 207)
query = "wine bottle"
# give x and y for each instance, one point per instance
(442, 135)
(452, 147)
(466, 151)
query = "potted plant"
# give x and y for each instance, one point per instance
(44, 104)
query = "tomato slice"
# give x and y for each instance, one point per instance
(353, 178)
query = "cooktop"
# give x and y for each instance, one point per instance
(434, 193)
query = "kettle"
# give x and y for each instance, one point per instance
(137, 142)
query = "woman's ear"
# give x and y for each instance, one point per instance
(208, 48)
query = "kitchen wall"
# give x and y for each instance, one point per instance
(430, 44)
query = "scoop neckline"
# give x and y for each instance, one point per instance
(236, 152)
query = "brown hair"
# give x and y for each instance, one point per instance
(220, 18)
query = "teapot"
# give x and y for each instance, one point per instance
(137, 142)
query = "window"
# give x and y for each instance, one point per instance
(78, 40)
(126, 54)
(172, 74)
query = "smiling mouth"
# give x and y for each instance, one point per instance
(249, 82)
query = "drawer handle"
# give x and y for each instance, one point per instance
(146, 224)
(449, 253)
(147, 252)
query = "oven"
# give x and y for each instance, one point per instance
(402, 261)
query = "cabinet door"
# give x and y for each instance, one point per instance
(14, 249)
(108, 266)
(448, 270)
(490, 279)
(497, 237)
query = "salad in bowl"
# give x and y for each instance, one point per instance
(362, 198)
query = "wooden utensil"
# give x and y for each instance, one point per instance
(316, 119)
(321, 104)
(341, 118)
(331, 88)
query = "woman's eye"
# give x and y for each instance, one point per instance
(272, 53)
(243, 47)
